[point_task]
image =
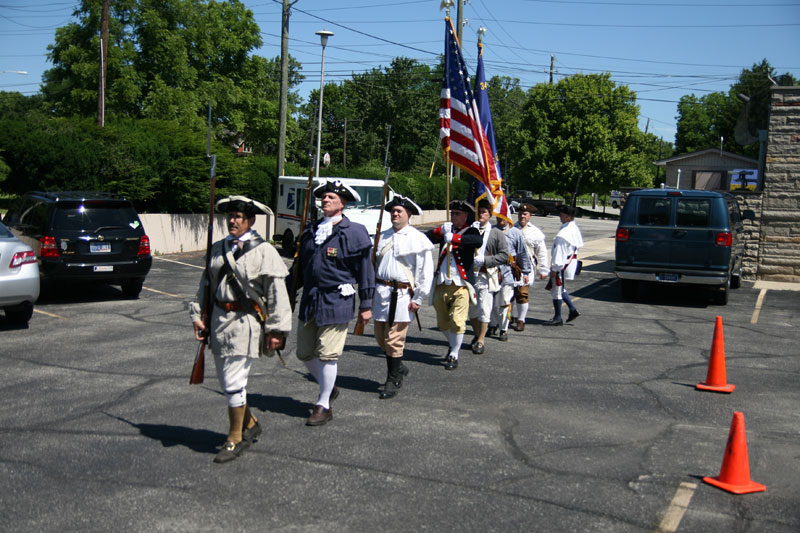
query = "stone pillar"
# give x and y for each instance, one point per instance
(779, 249)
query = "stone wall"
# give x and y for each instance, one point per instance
(779, 250)
(752, 232)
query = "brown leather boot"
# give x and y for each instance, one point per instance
(519, 326)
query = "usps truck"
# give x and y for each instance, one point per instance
(291, 199)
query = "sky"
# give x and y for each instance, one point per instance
(662, 50)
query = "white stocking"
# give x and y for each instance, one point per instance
(327, 381)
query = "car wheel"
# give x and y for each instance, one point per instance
(20, 314)
(287, 242)
(736, 279)
(131, 288)
(630, 288)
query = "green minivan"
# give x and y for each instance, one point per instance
(682, 237)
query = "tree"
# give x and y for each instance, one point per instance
(404, 94)
(580, 134)
(703, 121)
(167, 59)
(507, 100)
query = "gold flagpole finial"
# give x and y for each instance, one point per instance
(446, 5)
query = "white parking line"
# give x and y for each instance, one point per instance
(759, 303)
(161, 292)
(51, 315)
(677, 507)
(177, 262)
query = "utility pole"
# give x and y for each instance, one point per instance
(552, 63)
(101, 84)
(282, 111)
(460, 21)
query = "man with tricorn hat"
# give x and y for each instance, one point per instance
(403, 279)
(492, 253)
(514, 274)
(454, 275)
(250, 314)
(564, 264)
(335, 256)
(537, 254)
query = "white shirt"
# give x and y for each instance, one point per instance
(409, 247)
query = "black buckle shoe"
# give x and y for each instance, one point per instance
(553, 322)
(451, 363)
(573, 315)
(231, 451)
(503, 336)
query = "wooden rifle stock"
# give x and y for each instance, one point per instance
(199, 367)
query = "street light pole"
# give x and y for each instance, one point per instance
(323, 37)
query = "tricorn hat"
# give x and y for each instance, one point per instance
(461, 205)
(567, 210)
(404, 202)
(483, 203)
(243, 204)
(345, 192)
(524, 206)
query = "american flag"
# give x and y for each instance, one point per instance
(460, 131)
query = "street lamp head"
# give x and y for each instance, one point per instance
(323, 37)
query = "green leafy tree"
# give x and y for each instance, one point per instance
(580, 135)
(404, 94)
(703, 121)
(167, 59)
(507, 100)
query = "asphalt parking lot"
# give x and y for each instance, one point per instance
(595, 426)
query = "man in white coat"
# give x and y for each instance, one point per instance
(537, 254)
(403, 279)
(250, 313)
(564, 264)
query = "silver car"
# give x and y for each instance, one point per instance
(19, 277)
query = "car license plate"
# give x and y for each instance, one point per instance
(667, 277)
(104, 268)
(100, 247)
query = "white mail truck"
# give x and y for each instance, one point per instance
(291, 199)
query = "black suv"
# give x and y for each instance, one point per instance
(84, 236)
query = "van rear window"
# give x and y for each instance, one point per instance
(695, 213)
(654, 211)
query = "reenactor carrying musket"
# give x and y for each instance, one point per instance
(249, 313)
(403, 279)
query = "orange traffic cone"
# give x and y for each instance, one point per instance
(715, 379)
(735, 474)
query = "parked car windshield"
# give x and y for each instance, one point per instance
(94, 217)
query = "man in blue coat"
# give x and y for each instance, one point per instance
(335, 258)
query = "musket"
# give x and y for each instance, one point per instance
(296, 268)
(359, 327)
(198, 369)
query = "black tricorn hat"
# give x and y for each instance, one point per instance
(404, 202)
(567, 210)
(484, 203)
(243, 204)
(461, 205)
(345, 192)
